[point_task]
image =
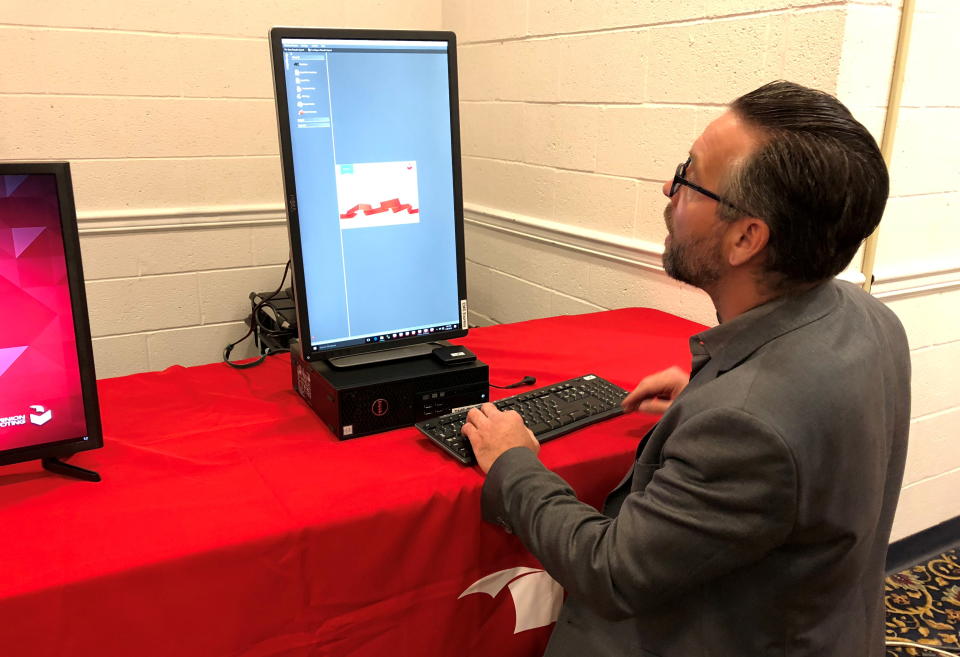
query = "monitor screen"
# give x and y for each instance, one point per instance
(369, 135)
(48, 404)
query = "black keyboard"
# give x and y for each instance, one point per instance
(549, 412)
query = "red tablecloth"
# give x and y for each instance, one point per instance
(230, 521)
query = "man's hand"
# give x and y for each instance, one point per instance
(655, 393)
(491, 432)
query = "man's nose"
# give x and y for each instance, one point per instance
(666, 188)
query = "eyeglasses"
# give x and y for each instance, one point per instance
(679, 179)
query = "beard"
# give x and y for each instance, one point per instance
(698, 261)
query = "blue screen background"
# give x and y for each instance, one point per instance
(385, 107)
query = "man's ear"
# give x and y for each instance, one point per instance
(746, 238)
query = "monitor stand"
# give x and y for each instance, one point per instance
(59, 467)
(386, 355)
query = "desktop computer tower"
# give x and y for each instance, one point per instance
(367, 399)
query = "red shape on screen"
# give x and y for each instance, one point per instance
(393, 204)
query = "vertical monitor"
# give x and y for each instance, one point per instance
(369, 135)
(48, 398)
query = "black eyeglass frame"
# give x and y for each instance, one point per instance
(679, 179)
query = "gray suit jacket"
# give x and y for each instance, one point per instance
(756, 518)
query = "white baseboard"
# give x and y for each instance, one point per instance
(889, 283)
(153, 219)
(594, 242)
(898, 283)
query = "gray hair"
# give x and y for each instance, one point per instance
(817, 179)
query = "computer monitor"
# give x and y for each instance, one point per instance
(370, 150)
(48, 394)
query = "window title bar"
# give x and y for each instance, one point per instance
(365, 43)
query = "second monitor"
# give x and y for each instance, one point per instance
(370, 147)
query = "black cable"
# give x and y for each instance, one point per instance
(274, 330)
(525, 381)
(254, 321)
(278, 319)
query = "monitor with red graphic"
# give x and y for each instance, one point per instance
(370, 148)
(48, 401)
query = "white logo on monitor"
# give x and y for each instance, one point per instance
(41, 416)
(373, 194)
(12, 421)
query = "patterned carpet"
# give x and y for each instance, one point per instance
(923, 606)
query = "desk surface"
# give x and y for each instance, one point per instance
(231, 522)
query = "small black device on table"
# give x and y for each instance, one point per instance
(362, 400)
(549, 412)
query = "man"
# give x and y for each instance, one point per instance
(755, 520)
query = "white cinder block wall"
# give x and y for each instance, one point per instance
(918, 263)
(166, 115)
(573, 114)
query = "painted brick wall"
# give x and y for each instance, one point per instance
(166, 114)
(573, 113)
(918, 263)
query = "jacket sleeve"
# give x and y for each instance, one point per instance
(725, 495)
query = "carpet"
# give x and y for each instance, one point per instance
(923, 605)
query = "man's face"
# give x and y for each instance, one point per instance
(694, 249)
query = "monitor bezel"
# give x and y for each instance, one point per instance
(277, 34)
(81, 323)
